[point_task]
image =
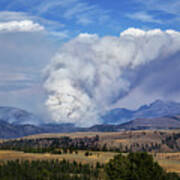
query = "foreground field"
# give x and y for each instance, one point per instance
(102, 157)
(169, 161)
(164, 145)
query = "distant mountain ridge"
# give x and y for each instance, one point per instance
(17, 116)
(167, 122)
(8, 130)
(156, 109)
(16, 122)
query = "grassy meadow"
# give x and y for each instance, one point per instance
(169, 161)
(102, 157)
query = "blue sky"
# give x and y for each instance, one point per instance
(69, 17)
(32, 31)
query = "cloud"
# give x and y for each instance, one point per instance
(23, 56)
(25, 98)
(78, 11)
(168, 6)
(20, 26)
(89, 74)
(144, 17)
(84, 14)
(84, 20)
(61, 34)
(157, 80)
(13, 81)
(12, 16)
(163, 13)
(47, 6)
(22, 21)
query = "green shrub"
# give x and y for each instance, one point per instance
(136, 166)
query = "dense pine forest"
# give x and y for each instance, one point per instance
(48, 170)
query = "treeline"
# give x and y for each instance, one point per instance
(134, 166)
(48, 170)
(52, 145)
(172, 141)
(72, 145)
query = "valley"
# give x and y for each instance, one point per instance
(164, 145)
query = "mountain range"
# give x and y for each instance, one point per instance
(16, 122)
(156, 109)
(8, 130)
(17, 116)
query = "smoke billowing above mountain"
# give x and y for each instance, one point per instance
(91, 73)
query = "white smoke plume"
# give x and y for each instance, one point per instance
(88, 74)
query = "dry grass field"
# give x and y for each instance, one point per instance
(104, 135)
(169, 161)
(101, 157)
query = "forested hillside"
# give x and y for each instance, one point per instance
(128, 141)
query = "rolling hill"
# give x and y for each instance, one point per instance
(168, 122)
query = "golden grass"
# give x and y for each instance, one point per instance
(168, 156)
(170, 165)
(58, 135)
(169, 161)
(102, 157)
(127, 134)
